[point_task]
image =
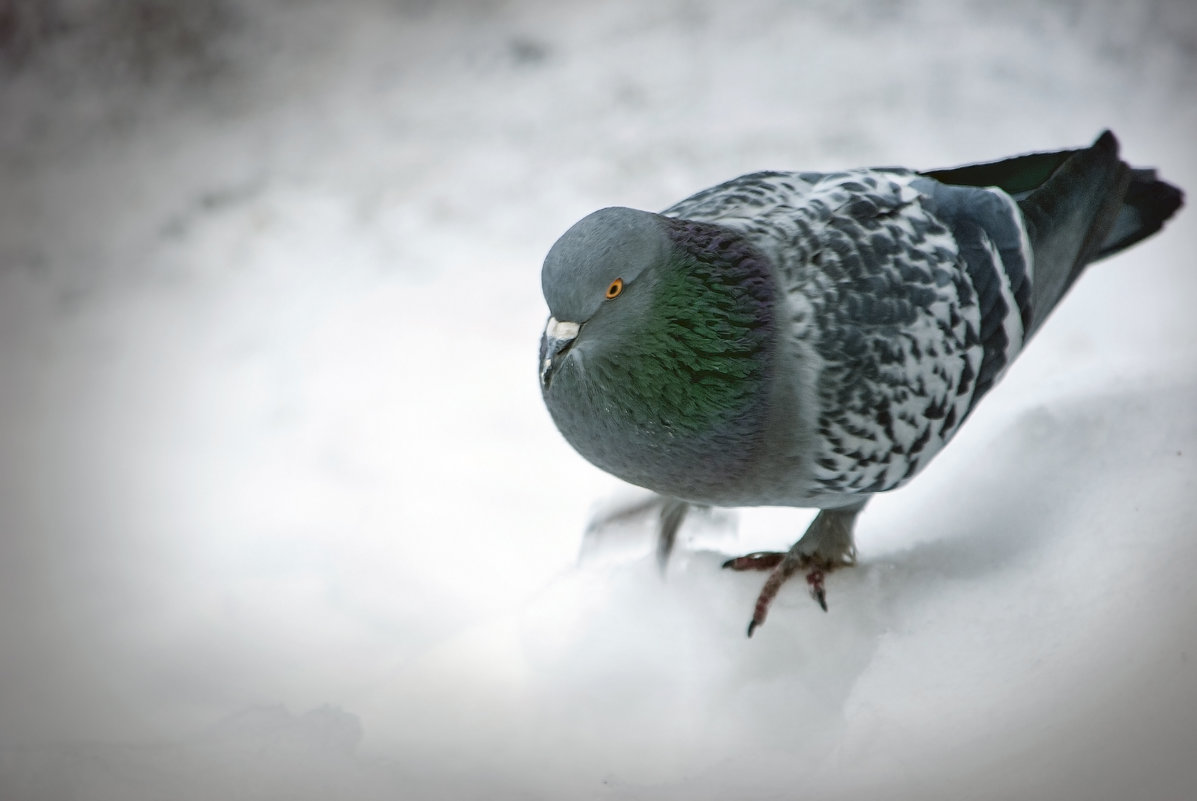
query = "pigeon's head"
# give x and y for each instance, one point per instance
(656, 356)
(598, 279)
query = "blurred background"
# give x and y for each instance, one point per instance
(282, 514)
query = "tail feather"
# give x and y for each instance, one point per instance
(1078, 205)
(1017, 176)
(1068, 216)
(1148, 204)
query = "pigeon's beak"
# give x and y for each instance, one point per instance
(557, 339)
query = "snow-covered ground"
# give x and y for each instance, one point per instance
(282, 514)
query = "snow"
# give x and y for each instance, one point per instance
(282, 514)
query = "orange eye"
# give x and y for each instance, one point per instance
(615, 288)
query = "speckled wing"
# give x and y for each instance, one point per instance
(907, 300)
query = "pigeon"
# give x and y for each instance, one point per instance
(811, 339)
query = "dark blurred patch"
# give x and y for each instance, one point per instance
(151, 37)
(25, 25)
(527, 52)
(107, 66)
(209, 202)
(146, 41)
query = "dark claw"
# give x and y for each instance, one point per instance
(815, 580)
(751, 626)
(761, 560)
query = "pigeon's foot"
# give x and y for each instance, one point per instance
(783, 566)
(826, 546)
(671, 513)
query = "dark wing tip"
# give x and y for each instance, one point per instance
(1107, 141)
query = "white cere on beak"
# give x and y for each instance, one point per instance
(555, 329)
(557, 335)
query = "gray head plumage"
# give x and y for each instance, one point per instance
(610, 243)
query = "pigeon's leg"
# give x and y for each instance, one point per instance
(671, 513)
(826, 545)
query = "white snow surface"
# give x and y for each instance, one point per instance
(282, 514)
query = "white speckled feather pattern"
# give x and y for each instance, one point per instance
(885, 324)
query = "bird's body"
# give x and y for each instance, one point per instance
(804, 339)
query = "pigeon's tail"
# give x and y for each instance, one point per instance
(1079, 206)
(1147, 205)
(1069, 216)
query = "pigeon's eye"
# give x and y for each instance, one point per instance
(615, 288)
